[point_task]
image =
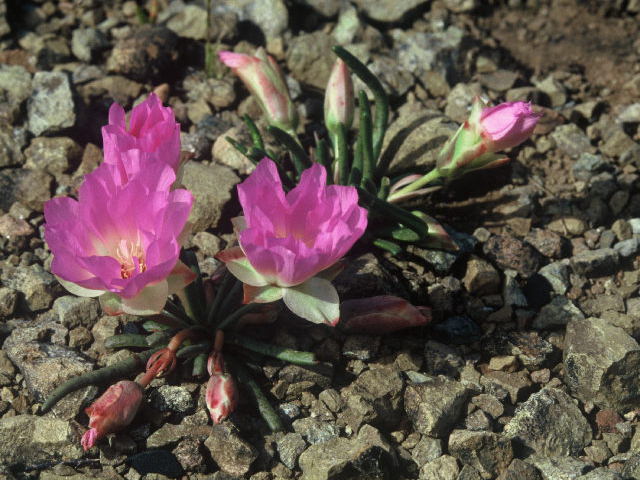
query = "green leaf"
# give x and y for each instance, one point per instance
(315, 300)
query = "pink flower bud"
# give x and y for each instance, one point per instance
(339, 101)
(113, 411)
(488, 130)
(221, 396)
(381, 314)
(508, 124)
(262, 76)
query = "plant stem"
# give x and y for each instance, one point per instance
(432, 176)
(243, 310)
(121, 369)
(282, 353)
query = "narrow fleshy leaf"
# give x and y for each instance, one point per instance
(315, 300)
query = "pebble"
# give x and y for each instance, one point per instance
(50, 107)
(595, 263)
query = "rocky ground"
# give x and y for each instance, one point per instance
(530, 368)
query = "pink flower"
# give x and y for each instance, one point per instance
(264, 79)
(153, 135)
(114, 410)
(222, 391)
(381, 314)
(289, 242)
(487, 131)
(339, 98)
(122, 240)
(508, 124)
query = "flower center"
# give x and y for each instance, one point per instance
(131, 258)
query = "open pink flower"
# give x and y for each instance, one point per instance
(122, 240)
(114, 410)
(288, 242)
(152, 135)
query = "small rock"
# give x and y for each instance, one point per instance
(315, 430)
(15, 231)
(489, 453)
(435, 405)
(548, 243)
(571, 140)
(499, 81)
(596, 263)
(558, 467)
(8, 302)
(595, 354)
(516, 384)
(15, 88)
(390, 12)
(588, 165)
(309, 58)
(289, 448)
(146, 53)
(363, 347)
(520, 470)
(442, 468)
(12, 142)
(86, 43)
(509, 252)
(211, 186)
(558, 313)
(50, 108)
(627, 248)
(557, 274)
(481, 278)
(38, 288)
(426, 450)
(30, 187)
(155, 461)
(169, 398)
(550, 424)
(232, 453)
(54, 155)
(75, 311)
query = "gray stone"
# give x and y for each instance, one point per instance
(50, 108)
(550, 424)
(190, 21)
(558, 468)
(554, 90)
(38, 288)
(145, 53)
(315, 430)
(442, 468)
(4, 25)
(469, 473)
(520, 470)
(232, 453)
(211, 186)
(8, 302)
(15, 88)
(598, 359)
(489, 453)
(557, 274)
(289, 448)
(191, 427)
(481, 278)
(627, 248)
(442, 359)
(348, 25)
(615, 141)
(435, 405)
(516, 384)
(363, 347)
(387, 10)
(29, 440)
(630, 114)
(459, 101)
(320, 374)
(75, 311)
(511, 291)
(499, 81)
(596, 263)
(45, 367)
(12, 142)
(588, 165)
(86, 43)
(54, 155)
(310, 60)
(558, 313)
(159, 462)
(217, 92)
(170, 398)
(395, 80)
(631, 468)
(426, 450)
(344, 458)
(326, 8)
(571, 140)
(549, 243)
(421, 52)
(375, 397)
(601, 473)
(413, 141)
(30, 187)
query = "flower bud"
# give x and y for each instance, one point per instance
(114, 410)
(488, 130)
(221, 396)
(381, 314)
(339, 101)
(262, 76)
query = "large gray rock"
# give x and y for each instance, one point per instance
(601, 362)
(29, 440)
(45, 367)
(489, 453)
(435, 405)
(344, 458)
(50, 107)
(233, 454)
(413, 141)
(211, 186)
(550, 424)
